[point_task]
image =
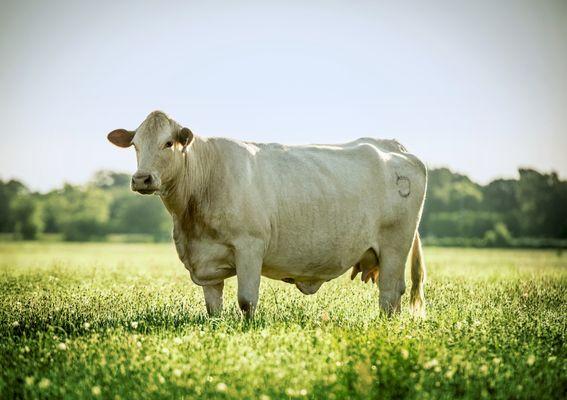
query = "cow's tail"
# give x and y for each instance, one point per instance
(417, 298)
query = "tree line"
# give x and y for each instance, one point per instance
(103, 206)
(530, 211)
(526, 212)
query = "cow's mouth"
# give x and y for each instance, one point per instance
(146, 191)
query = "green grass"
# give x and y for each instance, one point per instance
(125, 321)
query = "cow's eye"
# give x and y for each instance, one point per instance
(169, 144)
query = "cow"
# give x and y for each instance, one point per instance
(301, 214)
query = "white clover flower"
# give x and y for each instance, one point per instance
(95, 390)
(177, 341)
(177, 372)
(86, 325)
(531, 360)
(44, 383)
(134, 324)
(221, 387)
(431, 363)
(62, 346)
(15, 324)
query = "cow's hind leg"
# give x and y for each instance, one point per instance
(394, 249)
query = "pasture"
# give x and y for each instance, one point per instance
(122, 321)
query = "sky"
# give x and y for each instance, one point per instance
(478, 86)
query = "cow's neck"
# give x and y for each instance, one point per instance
(187, 193)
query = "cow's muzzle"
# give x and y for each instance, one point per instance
(145, 183)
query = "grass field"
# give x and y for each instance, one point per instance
(124, 321)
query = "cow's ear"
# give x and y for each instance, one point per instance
(184, 137)
(121, 137)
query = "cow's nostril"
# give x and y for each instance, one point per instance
(148, 180)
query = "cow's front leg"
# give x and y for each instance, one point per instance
(248, 261)
(213, 298)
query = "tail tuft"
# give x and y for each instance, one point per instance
(417, 298)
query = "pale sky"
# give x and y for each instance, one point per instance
(479, 86)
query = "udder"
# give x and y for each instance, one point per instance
(368, 265)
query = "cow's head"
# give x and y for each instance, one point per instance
(159, 142)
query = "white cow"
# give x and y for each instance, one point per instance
(300, 214)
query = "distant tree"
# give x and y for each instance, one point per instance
(25, 211)
(542, 204)
(499, 236)
(448, 192)
(81, 212)
(501, 196)
(133, 213)
(106, 205)
(51, 210)
(111, 180)
(8, 192)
